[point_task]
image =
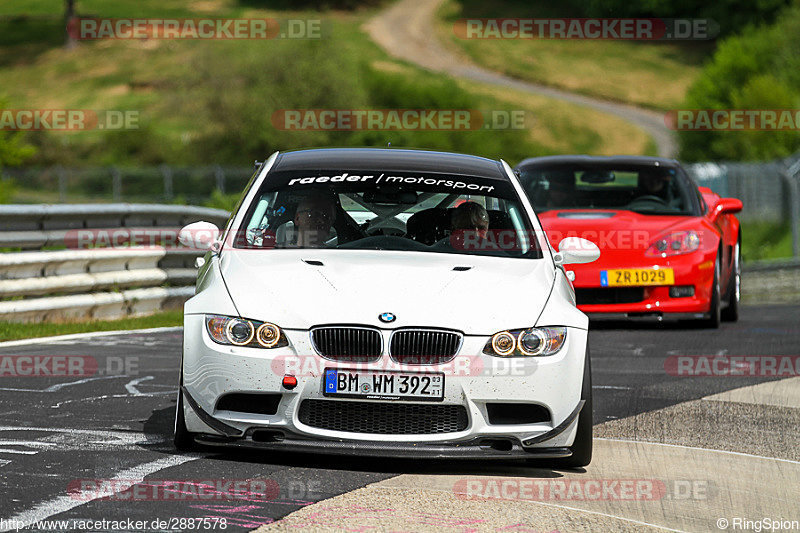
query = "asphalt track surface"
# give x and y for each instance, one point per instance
(117, 424)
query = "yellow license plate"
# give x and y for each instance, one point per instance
(637, 277)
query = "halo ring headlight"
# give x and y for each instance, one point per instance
(268, 335)
(236, 337)
(532, 341)
(504, 343)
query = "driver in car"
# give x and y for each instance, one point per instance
(313, 220)
(654, 183)
(470, 226)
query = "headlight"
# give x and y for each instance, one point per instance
(242, 332)
(526, 342)
(676, 243)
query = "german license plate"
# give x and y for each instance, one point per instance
(637, 276)
(344, 383)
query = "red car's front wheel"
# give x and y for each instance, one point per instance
(731, 311)
(714, 310)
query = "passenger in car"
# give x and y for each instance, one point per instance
(561, 191)
(313, 220)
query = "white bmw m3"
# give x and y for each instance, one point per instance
(386, 302)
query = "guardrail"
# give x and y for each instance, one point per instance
(94, 283)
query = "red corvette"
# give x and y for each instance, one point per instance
(668, 247)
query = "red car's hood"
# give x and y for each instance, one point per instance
(619, 234)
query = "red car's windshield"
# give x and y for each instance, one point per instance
(644, 189)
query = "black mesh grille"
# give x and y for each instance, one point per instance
(383, 418)
(348, 344)
(610, 295)
(424, 346)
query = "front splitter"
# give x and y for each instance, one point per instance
(479, 449)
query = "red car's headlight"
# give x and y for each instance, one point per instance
(675, 243)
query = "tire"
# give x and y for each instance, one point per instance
(582, 446)
(714, 312)
(183, 439)
(731, 312)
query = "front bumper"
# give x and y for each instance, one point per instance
(695, 270)
(211, 371)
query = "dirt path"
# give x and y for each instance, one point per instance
(406, 31)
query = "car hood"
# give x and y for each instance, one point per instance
(618, 234)
(298, 289)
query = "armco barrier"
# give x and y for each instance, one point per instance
(64, 284)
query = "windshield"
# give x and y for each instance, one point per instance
(374, 210)
(644, 189)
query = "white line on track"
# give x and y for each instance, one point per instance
(57, 387)
(631, 520)
(116, 438)
(742, 454)
(107, 396)
(567, 507)
(61, 504)
(20, 452)
(89, 335)
(131, 385)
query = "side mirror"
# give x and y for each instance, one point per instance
(573, 250)
(726, 206)
(201, 236)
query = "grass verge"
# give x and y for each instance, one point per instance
(13, 331)
(202, 102)
(649, 74)
(763, 241)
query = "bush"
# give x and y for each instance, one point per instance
(13, 152)
(731, 15)
(759, 69)
(8, 188)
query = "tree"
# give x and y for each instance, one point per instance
(69, 15)
(758, 69)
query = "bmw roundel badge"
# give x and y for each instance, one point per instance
(387, 317)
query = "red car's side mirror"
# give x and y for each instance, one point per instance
(726, 206)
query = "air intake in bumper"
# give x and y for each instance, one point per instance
(383, 418)
(516, 413)
(259, 404)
